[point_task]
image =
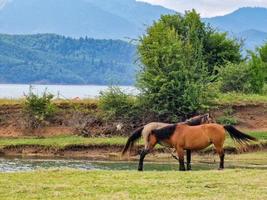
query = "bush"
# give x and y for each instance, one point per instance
(247, 77)
(234, 77)
(227, 118)
(257, 73)
(119, 106)
(38, 109)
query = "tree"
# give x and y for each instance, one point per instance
(174, 79)
(263, 55)
(257, 72)
(263, 52)
(248, 77)
(220, 50)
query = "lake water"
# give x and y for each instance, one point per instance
(18, 165)
(30, 164)
(14, 91)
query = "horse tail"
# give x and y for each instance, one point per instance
(132, 139)
(238, 136)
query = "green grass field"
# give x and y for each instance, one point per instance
(62, 141)
(71, 184)
(240, 98)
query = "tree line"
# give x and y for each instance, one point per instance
(185, 63)
(50, 58)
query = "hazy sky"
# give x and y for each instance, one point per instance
(2, 3)
(208, 8)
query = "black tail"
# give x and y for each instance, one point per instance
(238, 136)
(132, 139)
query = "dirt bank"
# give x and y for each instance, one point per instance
(251, 117)
(69, 119)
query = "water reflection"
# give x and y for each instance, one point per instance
(14, 91)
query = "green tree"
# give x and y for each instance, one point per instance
(246, 77)
(234, 77)
(263, 52)
(263, 55)
(174, 79)
(257, 72)
(220, 50)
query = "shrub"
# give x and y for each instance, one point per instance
(234, 77)
(38, 109)
(257, 73)
(117, 105)
(248, 77)
(227, 118)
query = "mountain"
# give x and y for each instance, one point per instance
(241, 20)
(105, 19)
(253, 38)
(54, 59)
(245, 23)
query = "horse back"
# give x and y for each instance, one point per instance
(198, 137)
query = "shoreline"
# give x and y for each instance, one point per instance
(104, 152)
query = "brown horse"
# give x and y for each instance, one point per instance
(146, 130)
(183, 137)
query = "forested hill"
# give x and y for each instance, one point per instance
(54, 59)
(101, 19)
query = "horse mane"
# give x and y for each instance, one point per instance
(164, 133)
(197, 120)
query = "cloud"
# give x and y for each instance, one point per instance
(3, 3)
(208, 8)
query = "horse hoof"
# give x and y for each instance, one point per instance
(140, 170)
(220, 169)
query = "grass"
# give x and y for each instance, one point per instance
(231, 98)
(72, 184)
(240, 98)
(63, 141)
(5, 101)
(11, 101)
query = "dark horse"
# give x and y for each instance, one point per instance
(146, 130)
(183, 137)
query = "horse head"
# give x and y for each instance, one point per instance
(200, 119)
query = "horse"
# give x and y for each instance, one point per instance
(184, 137)
(146, 130)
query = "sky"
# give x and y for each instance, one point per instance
(208, 8)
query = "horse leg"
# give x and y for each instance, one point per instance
(188, 159)
(220, 151)
(174, 156)
(142, 157)
(180, 153)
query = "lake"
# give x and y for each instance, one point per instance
(18, 164)
(14, 91)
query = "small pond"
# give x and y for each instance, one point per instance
(29, 164)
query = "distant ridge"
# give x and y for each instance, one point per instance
(102, 19)
(241, 20)
(253, 38)
(249, 23)
(54, 59)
